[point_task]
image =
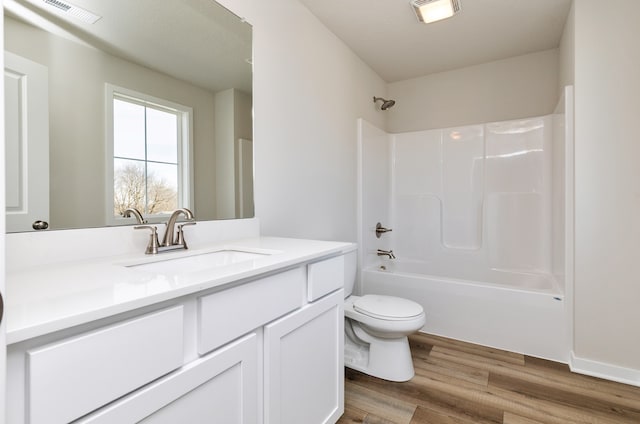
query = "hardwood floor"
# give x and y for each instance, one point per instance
(462, 383)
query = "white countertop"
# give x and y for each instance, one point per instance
(45, 299)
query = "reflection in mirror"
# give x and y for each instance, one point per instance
(149, 106)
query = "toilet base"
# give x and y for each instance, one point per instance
(388, 359)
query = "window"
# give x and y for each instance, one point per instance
(149, 143)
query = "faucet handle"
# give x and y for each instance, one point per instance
(152, 247)
(380, 230)
(182, 224)
(180, 236)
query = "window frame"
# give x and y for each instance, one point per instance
(185, 149)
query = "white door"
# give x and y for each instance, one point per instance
(26, 142)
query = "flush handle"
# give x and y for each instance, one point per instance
(380, 230)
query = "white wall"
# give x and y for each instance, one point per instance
(506, 89)
(223, 118)
(374, 173)
(607, 197)
(566, 52)
(309, 89)
(233, 120)
(243, 155)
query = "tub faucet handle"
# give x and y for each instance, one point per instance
(380, 230)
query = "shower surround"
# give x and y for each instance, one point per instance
(480, 222)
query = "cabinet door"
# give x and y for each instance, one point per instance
(221, 387)
(304, 375)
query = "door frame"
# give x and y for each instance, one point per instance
(3, 325)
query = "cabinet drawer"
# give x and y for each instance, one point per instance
(72, 377)
(225, 315)
(217, 388)
(325, 277)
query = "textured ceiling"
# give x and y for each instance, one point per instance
(388, 37)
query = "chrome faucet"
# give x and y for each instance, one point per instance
(388, 253)
(169, 239)
(136, 214)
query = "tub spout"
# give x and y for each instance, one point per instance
(388, 253)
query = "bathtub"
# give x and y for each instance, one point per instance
(516, 311)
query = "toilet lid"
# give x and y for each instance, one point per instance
(378, 306)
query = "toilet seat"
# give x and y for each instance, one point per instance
(387, 307)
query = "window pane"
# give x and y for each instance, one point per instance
(129, 185)
(147, 146)
(128, 130)
(162, 181)
(162, 136)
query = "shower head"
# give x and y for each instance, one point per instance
(386, 104)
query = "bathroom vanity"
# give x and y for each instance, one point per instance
(245, 332)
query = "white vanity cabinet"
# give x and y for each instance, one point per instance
(304, 361)
(267, 349)
(304, 377)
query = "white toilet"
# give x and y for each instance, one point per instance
(376, 329)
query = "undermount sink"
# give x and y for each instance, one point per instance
(198, 262)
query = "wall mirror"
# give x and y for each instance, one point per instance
(120, 103)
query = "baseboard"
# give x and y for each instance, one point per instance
(603, 370)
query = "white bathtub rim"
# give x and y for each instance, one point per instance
(555, 291)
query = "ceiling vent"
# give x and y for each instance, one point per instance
(77, 12)
(428, 11)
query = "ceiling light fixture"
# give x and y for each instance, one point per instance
(77, 12)
(428, 11)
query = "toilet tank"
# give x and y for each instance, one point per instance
(350, 269)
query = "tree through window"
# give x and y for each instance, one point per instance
(148, 155)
